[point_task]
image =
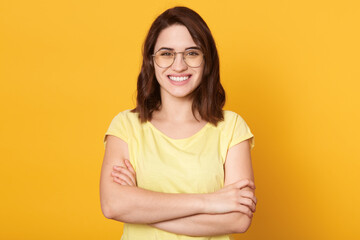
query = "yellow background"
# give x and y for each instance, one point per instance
(290, 69)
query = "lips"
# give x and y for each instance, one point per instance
(179, 78)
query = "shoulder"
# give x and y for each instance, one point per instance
(125, 121)
(233, 122)
(230, 115)
(124, 125)
(127, 113)
(127, 116)
(230, 118)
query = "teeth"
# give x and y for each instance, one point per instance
(179, 79)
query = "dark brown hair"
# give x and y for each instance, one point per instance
(209, 96)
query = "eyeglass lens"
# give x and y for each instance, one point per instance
(165, 58)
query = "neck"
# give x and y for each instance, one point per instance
(176, 110)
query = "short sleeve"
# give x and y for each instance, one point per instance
(117, 128)
(241, 132)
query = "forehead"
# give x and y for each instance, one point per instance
(176, 36)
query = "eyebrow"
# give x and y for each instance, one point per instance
(166, 48)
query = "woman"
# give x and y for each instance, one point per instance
(178, 166)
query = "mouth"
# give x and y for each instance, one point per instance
(179, 78)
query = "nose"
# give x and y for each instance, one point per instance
(179, 63)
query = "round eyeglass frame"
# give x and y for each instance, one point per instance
(153, 55)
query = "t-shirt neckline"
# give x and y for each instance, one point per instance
(179, 139)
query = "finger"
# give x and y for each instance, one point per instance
(130, 167)
(245, 183)
(126, 171)
(248, 194)
(245, 210)
(123, 177)
(117, 166)
(118, 180)
(129, 174)
(249, 203)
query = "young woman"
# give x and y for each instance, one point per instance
(178, 166)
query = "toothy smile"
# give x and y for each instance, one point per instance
(179, 79)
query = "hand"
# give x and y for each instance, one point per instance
(124, 175)
(233, 198)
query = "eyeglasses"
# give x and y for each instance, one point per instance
(165, 58)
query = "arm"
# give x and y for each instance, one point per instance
(237, 166)
(206, 224)
(135, 205)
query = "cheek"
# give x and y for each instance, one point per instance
(159, 73)
(201, 72)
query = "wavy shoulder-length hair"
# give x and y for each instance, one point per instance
(209, 96)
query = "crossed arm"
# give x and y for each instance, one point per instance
(188, 214)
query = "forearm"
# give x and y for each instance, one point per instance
(207, 224)
(137, 205)
(131, 204)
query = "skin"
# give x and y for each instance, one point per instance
(236, 166)
(178, 38)
(176, 110)
(127, 176)
(189, 214)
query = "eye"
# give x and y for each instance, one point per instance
(193, 53)
(166, 53)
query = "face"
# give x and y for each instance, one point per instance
(177, 80)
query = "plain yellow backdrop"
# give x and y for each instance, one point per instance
(289, 68)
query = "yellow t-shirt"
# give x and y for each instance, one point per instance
(188, 165)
